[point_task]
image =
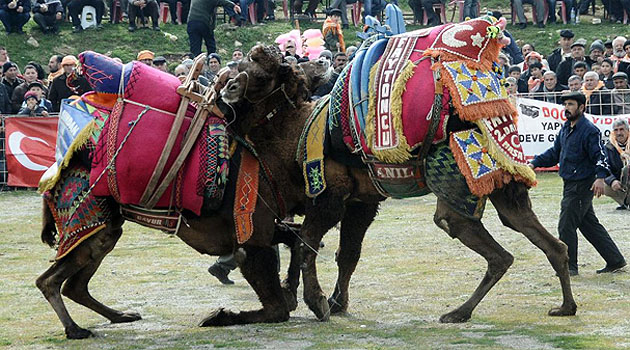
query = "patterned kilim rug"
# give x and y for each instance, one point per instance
(78, 215)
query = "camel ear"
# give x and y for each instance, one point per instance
(257, 53)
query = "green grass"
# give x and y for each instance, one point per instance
(117, 41)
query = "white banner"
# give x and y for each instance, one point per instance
(539, 122)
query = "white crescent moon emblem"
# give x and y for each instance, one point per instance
(15, 142)
(448, 36)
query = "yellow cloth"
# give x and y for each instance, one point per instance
(588, 93)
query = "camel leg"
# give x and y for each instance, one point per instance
(320, 218)
(259, 269)
(355, 223)
(292, 281)
(515, 211)
(76, 286)
(472, 234)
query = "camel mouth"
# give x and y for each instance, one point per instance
(231, 92)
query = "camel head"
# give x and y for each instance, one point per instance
(317, 73)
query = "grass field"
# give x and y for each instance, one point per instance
(410, 273)
(117, 41)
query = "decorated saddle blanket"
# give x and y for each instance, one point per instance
(78, 214)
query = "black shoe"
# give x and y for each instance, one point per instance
(19, 31)
(132, 28)
(612, 268)
(622, 207)
(345, 26)
(99, 27)
(541, 25)
(156, 28)
(522, 25)
(220, 274)
(77, 29)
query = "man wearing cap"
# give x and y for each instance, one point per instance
(201, 21)
(539, 5)
(620, 94)
(59, 90)
(565, 68)
(333, 35)
(10, 78)
(578, 151)
(596, 53)
(161, 64)
(618, 158)
(32, 107)
(14, 14)
(566, 40)
(75, 7)
(143, 8)
(146, 57)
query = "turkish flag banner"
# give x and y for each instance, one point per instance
(30, 148)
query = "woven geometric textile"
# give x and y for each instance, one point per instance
(311, 149)
(77, 214)
(215, 161)
(444, 178)
(470, 144)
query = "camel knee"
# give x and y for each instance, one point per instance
(441, 222)
(500, 264)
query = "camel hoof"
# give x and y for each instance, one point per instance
(78, 333)
(218, 318)
(290, 298)
(455, 317)
(125, 317)
(563, 311)
(320, 308)
(336, 307)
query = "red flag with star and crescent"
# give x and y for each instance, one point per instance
(30, 148)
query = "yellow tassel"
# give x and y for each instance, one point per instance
(79, 142)
(369, 119)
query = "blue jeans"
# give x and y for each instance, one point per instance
(471, 8)
(13, 21)
(198, 32)
(373, 7)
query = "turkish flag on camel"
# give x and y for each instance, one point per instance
(30, 148)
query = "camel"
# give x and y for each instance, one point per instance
(212, 234)
(351, 199)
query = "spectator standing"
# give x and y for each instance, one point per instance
(5, 101)
(237, 55)
(214, 66)
(609, 48)
(620, 94)
(201, 22)
(14, 14)
(48, 15)
(598, 99)
(10, 79)
(520, 12)
(32, 108)
(560, 53)
(618, 157)
(578, 151)
(596, 53)
(623, 63)
(54, 68)
(618, 51)
(76, 6)
(141, 9)
(60, 90)
(161, 64)
(30, 76)
(575, 83)
(4, 57)
(38, 88)
(146, 57)
(565, 68)
(549, 90)
(606, 73)
(536, 76)
(333, 35)
(580, 68)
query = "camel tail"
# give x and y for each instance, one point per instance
(49, 231)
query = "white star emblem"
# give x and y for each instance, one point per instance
(477, 39)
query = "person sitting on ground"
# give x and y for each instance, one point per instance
(560, 53)
(146, 57)
(161, 64)
(59, 88)
(549, 90)
(48, 15)
(565, 68)
(606, 73)
(620, 93)
(575, 83)
(333, 35)
(30, 75)
(140, 9)
(14, 14)
(75, 7)
(520, 12)
(598, 99)
(33, 108)
(11, 80)
(618, 159)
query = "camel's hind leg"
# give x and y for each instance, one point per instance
(259, 269)
(76, 286)
(86, 255)
(515, 211)
(472, 234)
(357, 219)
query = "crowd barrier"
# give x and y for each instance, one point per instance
(606, 105)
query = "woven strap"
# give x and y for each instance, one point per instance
(246, 196)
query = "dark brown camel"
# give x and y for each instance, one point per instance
(351, 199)
(212, 235)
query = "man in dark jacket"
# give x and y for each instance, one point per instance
(60, 90)
(578, 151)
(566, 40)
(48, 15)
(565, 68)
(5, 101)
(549, 90)
(615, 149)
(10, 78)
(14, 14)
(201, 21)
(599, 101)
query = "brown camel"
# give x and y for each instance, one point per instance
(351, 199)
(213, 234)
